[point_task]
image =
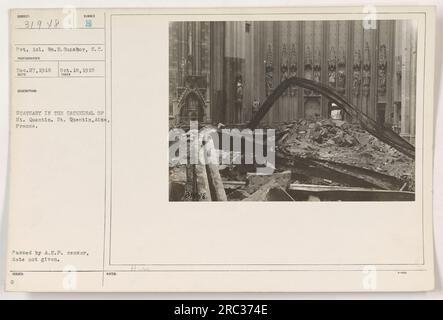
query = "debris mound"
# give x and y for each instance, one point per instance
(344, 142)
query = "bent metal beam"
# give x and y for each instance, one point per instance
(384, 134)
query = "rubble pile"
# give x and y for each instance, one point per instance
(326, 153)
(346, 143)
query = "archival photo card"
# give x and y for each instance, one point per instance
(221, 150)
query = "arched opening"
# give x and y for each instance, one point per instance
(191, 108)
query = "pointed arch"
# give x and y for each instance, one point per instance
(191, 105)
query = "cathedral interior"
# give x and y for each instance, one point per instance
(341, 96)
(220, 72)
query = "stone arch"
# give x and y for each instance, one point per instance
(191, 106)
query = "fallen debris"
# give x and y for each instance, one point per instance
(338, 160)
(202, 192)
(255, 180)
(238, 195)
(387, 135)
(215, 181)
(333, 142)
(304, 192)
(270, 191)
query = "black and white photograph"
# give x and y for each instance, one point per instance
(292, 110)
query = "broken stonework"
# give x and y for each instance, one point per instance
(262, 193)
(255, 181)
(348, 143)
(238, 195)
(270, 191)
